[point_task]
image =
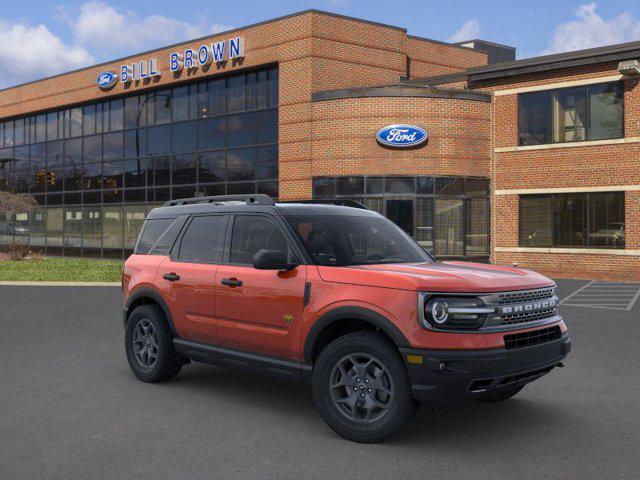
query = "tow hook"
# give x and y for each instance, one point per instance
(560, 365)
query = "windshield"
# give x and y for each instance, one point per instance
(341, 240)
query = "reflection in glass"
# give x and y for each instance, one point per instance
(133, 219)
(91, 230)
(241, 129)
(477, 226)
(211, 167)
(449, 227)
(112, 229)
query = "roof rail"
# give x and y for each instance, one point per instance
(259, 199)
(341, 202)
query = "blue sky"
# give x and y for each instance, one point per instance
(43, 37)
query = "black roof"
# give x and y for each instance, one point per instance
(248, 203)
(590, 56)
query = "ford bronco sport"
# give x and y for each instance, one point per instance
(338, 296)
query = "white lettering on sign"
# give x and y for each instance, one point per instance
(401, 135)
(217, 52)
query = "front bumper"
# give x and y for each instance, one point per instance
(446, 377)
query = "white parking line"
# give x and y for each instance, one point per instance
(612, 296)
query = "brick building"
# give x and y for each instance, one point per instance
(527, 161)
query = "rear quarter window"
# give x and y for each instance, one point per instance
(158, 235)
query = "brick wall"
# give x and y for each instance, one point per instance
(429, 58)
(315, 51)
(564, 167)
(344, 137)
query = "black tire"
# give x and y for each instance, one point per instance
(166, 363)
(501, 395)
(399, 407)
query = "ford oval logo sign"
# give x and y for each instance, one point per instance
(401, 136)
(106, 80)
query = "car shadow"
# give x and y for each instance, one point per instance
(475, 421)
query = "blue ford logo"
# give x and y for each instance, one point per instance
(401, 136)
(106, 80)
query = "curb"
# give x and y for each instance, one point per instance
(61, 284)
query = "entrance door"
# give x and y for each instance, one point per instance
(400, 212)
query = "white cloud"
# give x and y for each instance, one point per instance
(591, 30)
(469, 31)
(107, 31)
(29, 52)
(98, 32)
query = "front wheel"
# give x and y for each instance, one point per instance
(361, 387)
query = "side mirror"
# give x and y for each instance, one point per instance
(272, 260)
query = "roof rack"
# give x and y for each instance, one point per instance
(341, 202)
(259, 199)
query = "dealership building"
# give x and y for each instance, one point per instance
(480, 157)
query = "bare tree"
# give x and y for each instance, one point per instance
(16, 202)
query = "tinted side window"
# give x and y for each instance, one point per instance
(253, 233)
(168, 238)
(151, 232)
(204, 239)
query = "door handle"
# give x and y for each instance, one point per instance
(231, 282)
(172, 277)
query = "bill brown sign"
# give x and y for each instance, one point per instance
(189, 59)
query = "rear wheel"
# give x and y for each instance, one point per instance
(149, 345)
(361, 387)
(501, 395)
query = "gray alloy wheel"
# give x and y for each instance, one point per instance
(361, 387)
(149, 345)
(145, 343)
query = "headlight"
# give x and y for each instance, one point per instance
(454, 313)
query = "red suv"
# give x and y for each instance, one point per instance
(338, 296)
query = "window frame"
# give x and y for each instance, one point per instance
(552, 92)
(177, 245)
(292, 242)
(587, 222)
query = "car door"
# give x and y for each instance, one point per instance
(259, 310)
(187, 278)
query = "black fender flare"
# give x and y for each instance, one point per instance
(351, 313)
(157, 298)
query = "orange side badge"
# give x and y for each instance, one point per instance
(288, 318)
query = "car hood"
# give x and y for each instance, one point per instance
(437, 277)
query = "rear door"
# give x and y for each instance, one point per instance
(259, 310)
(187, 278)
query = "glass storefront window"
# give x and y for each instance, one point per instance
(425, 207)
(37, 227)
(591, 112)
(87, 163)
(400, 185)
(112, 231)
(133, 219)
(449, 227)
(424, 226)
(54, 230)
(576, 220)
(91, 230)
(477, 240)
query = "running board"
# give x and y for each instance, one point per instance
(224, 357)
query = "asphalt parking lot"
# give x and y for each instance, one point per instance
(71, 409)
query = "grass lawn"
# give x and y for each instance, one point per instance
(61, 270)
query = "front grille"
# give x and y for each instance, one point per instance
(521, 296)
(534, 337)
(516, 318)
